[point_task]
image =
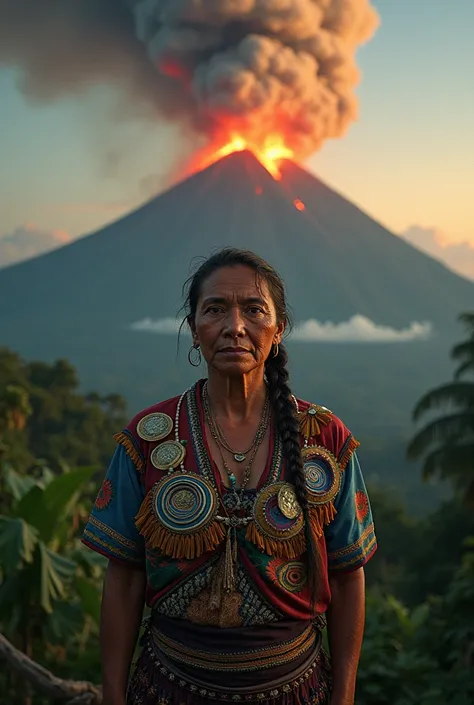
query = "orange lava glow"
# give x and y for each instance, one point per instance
(270, 152)
(299, 205)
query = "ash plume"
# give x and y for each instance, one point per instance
(219, 65)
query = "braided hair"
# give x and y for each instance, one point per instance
(276, 373)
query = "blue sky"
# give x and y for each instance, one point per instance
(407, 161)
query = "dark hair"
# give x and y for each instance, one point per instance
(276, 373)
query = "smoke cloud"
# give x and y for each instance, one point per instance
(28, 241)
(218, 65)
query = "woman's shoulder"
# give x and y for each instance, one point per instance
(323, 427)
(156, 412)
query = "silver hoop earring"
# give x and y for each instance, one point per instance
(276, 350)
(194, 356)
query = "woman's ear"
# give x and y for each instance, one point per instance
(279, 333)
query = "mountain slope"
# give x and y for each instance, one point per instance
(336, 261)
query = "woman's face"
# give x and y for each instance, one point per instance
(236, 323)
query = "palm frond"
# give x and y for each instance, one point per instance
(467, 366)
(459, 394)
(441, 431)
(468, 320)
(464, 349)
(453, 462)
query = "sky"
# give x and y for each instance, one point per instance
(408, 161)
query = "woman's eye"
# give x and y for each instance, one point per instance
(214, 309)
(256, 310)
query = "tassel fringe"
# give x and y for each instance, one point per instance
(132, 452)
(350, 446)
(223, 580)
(286, 548)
(176, 545)
(320, 516)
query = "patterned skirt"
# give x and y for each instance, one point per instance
(187, 664)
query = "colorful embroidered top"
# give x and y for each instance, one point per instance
(163, 507)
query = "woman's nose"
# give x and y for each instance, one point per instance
(234, 324)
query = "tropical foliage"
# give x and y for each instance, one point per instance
(447, 440)
(49, 594)
(42, 415)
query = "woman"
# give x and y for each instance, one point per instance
(239, 513)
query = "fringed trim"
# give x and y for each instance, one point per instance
(283, 548)
(132, 452)
(320, 516)
(173, 544)
(348, 449)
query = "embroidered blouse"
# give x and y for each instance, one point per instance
(177, 523)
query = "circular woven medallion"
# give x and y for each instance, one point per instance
(168, 455)
(269, 517)
(290, 575)
(323, 475)
(154, 427)
(184, 503)
(287, 501)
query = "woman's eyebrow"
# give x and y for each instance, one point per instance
(243, 299)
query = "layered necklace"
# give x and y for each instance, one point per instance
(239, 456)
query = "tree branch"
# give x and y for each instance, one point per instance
(76, 692)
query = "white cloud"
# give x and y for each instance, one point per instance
(357, 329)
(27, 241)
(165, 326)
(457, 256)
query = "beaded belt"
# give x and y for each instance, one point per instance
(309, 681)
(236, 661)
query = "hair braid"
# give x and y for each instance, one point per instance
(287, 426)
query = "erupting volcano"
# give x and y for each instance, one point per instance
(270, 151)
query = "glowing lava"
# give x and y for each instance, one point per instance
(269, 153)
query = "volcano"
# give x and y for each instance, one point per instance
(82, 300)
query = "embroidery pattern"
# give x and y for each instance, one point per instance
(104, 496)
(255, 610)
(249, 608)
(176, 602)
(110, 548)
(290, 575)
(361, 549)
(361, 505)
(127, 543)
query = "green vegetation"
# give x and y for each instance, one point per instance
(448, 440)
(54, 443)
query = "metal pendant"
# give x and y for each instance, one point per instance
(168, 455)
(155, 426)
(287, 502)
(239, 457)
